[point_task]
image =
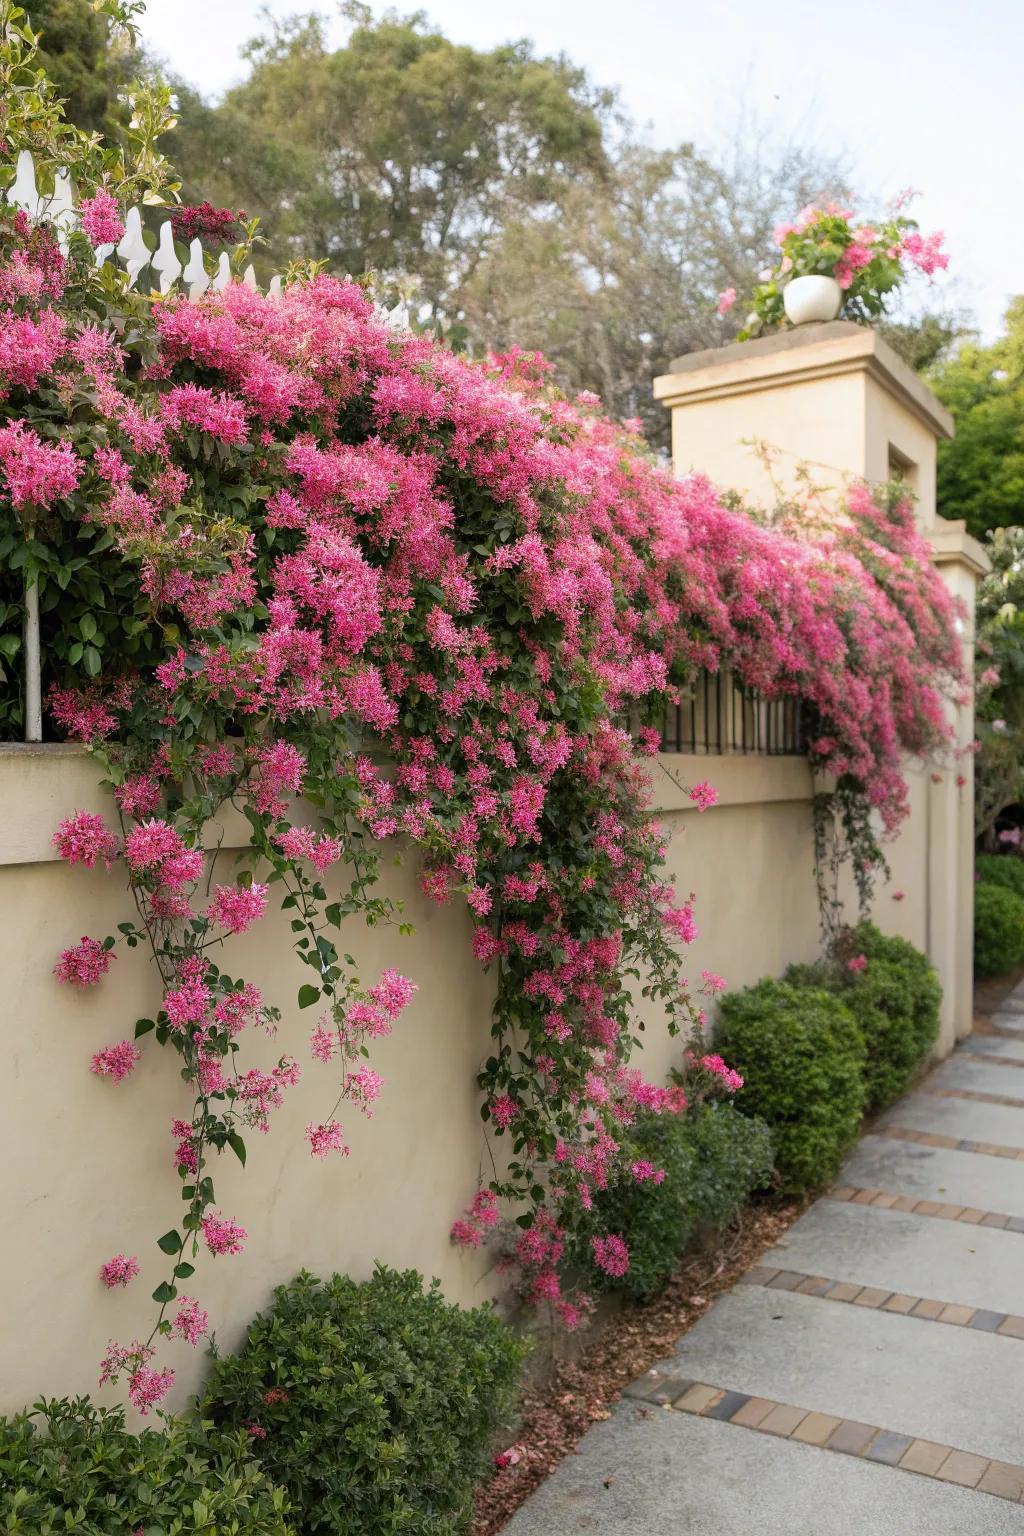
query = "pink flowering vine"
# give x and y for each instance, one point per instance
(400, 595)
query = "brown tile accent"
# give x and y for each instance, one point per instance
(1004, 1481)
(785, 1280)
(885, 1202)
(816, 1428)
(927, 1207)
(904, 1203)
(960, 1316)
(888, 1447)
(727, 1406)
(865, 1196)
(928, 1309)
(852, 1438)
(949, 1212)
(698, 1398)
(753, 1413)
(841, 1192)
(814, 1285)
(924, 1456)
(668, 1389)
(871, 1296)
(969, 1214)
(759, 1275)
(990, 1219)
(1012, 1328)
(963, 1468)
(900, 1303)
(783, 1420)
(843, 1291)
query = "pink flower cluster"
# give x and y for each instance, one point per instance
(119, 1270)
(84, 964)
(116, 1061)
(222, 1235)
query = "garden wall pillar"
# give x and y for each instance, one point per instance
(823, 405)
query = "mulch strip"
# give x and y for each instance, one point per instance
(556, 1413)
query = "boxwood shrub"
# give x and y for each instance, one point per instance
(801, 1054)
(375, 1405)
(1001, 869)
(713, 1159)
(71, 1466)
(998, 929)
(895, 1000)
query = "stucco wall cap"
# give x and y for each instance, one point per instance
(803, 353)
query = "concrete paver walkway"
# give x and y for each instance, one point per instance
(867, 1378)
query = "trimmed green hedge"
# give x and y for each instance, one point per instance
(378, 1402)
(713, 1159)
(70, 1466)
(1001, 869)
(998, 929)
(801, 1054)
(895, 1000)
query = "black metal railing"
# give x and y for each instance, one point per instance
(719, 715)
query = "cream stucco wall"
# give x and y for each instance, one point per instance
(89, 1164)
(832, 404)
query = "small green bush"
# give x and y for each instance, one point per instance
(713, 1158)
(998, 930)
(801, 1054)
(1002, 869)
(379, 1402)
(70, 1466)
(895, 1000)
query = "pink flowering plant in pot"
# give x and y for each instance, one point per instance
(869, 259)
(378, 592)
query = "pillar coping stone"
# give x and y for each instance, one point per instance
(796, 356)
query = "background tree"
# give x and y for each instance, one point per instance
(981, 472)
(999, 774)
(399, 152)
(625, 273)
(87, 64)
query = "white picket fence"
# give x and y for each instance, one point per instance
(58, 209)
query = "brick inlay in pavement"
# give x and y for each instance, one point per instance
(1007, 1324)
(849, 1437)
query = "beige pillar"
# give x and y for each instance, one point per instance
(834, 403)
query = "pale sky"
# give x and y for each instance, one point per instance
(922, 93)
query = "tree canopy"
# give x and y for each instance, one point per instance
(981, 472)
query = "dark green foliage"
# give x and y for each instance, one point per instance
(77, 54)
(70, 1466)
(392, 1400)
(801, 1054)
(981, 469)
(895, 1000)
(1001, 869)
(998, 930)
(713, 1158)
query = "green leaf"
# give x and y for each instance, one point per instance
(143, 1027)
(183, 1271)
(164, 1292)
(170, 1242)
(237, 1146)
(308, 996)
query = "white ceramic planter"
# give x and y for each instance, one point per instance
(812, 298)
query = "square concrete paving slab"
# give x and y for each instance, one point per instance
(916, 1255)
(992, 1045)
(939, 1174)
(959, 1118)
(978, 1077)
(957, 1386)
(672, 1473)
